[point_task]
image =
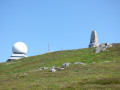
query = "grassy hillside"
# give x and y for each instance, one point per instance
(24, 74)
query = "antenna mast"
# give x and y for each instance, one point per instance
(48, 47)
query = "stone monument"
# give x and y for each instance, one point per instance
(94, 39)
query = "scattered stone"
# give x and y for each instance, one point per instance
(102, 47)
(43, 68)
(60, 68)
(107, 61)
(93, 62)
(103, 44)
(66, 64)
(80, 63)
(53, 69)
(97, 50)
(94, 39)
(40, 68)
(110, 45)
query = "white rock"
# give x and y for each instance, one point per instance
(53, 70)
(80, 63)
(106, 61)
(66, 64)
(93, 62)
(62, 68)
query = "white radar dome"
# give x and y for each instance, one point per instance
(19, 48)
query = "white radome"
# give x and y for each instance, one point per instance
(19, 48)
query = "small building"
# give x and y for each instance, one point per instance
(19, 51)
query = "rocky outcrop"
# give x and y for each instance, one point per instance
(94, 39)
(66, 64)
(53, 69)
(102, 47)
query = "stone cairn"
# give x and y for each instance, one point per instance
(102, 47)
(94, 39)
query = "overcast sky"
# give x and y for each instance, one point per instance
(65, 24)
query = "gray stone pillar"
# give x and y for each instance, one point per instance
(94, 39)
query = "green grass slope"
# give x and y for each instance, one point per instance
(24, 74)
